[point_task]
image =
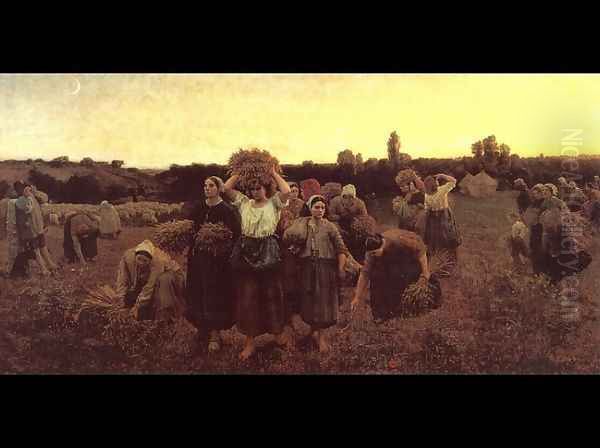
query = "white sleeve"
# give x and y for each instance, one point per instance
(447, 187)
(279, 205)
(240, 199)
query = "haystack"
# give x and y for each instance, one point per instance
(480, 186)
(464, 183)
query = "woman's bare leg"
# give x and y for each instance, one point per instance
(249, 348)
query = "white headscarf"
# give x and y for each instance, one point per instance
(349, 190)
(145, 246)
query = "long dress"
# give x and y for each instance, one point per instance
(441, 231)
(89, 243)
(256, 261)
(209, 287)
(319, 286)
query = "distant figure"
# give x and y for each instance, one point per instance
(80, 238)
(18, 256)
(151, 283)
(519, 240)
(344, 208)
(110, 222)
(441, 231)
(596, 183)
(523, 200)
(309, 188)
(31, 228)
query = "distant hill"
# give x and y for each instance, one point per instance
(109, 179)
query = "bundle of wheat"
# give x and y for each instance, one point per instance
(252, 164)
(405, 177)
(216, 239)
(363, 227)
(174, 237)
(399, 206)
(352, 270)
(441, 264)
(422, 294)
(102, 299)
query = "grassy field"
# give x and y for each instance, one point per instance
(492, 320)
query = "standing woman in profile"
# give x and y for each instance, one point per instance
(210, 293)
(257, 262)
(441, 231)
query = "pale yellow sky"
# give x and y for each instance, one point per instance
(157, 120)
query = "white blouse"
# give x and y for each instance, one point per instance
(259, 222)
(439, 200)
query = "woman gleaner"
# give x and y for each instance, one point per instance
(395, 259)
(257, 262)
(210, 292)
(441, 231)
(322, 260)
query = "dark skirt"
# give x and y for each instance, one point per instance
(291, 280)
(257, 272)
(441, 231)
(89, 244)
(319, 301)
(389, 278)
(209, 291)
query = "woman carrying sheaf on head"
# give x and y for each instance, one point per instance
(441, 231)
(256, 261)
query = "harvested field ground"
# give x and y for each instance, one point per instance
(492, 320)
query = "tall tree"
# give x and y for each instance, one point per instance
(393, 149)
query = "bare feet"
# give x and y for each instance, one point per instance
(248, 351)
(321, 341)
(285, 339)
(213, 343)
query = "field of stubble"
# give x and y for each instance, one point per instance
(492, 320)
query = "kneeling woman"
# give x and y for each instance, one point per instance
(395, 260)
(257, 262)
(151, 283)
(322, 260)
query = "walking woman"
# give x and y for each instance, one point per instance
(210, 292)
(257, 262)
(441, 231)
(322, 261)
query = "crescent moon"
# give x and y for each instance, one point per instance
(77, 89)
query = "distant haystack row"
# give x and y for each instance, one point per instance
(133, 214)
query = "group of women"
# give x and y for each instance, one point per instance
(548, 219)
(289, 256)
(246, 287)
(26, 230)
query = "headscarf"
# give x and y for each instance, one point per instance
(309, 188)
(104, 204)
(562, 180)
(145, 248)
(349, 190)
(313, 198)
(219, 182)
(519, 183)
(553, 189)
